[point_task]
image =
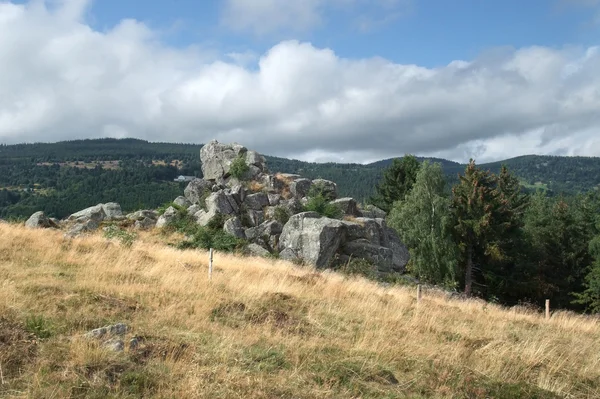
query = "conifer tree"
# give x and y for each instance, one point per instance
(396, 183)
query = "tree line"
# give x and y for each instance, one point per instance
(487, 236)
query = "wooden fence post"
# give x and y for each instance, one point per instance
(419, 293)
(547, 309)
(210, 264)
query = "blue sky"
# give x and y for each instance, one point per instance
(342, 80)
(424, 32)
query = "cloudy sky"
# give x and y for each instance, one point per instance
(341, 80)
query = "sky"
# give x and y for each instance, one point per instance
(317, 80)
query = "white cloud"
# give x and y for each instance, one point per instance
(263, 17)
(60, 79)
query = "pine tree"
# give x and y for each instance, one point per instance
(476, 205)
(396, 183)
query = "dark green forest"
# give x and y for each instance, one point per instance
(52, 177)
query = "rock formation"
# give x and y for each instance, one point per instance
(267, 210)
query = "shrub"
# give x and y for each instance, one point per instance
(319, 190)
(207, 238)
(125, 237)
(281, 214)
(238, 168)
(38, 326)
(321, 205)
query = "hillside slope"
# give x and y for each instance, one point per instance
(61, 177)
(261, 329)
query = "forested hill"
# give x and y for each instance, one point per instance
(66, 176)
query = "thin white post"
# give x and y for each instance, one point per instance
(210, 261)
(418, 293)
(547, 309)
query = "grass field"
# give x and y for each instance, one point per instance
(262, 329)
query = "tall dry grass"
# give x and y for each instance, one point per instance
(263, 329)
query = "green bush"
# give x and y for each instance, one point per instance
(125, 237)
(38, 326)
(239, 168)
(217, 239)
(359, 267)
(281, 214)
(323, 207)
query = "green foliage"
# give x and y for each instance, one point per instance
(359, 267)
(239, 168)
(126, 238)
(319, 189)
(323, 207)
(207, 238)
(425, 223)
(476, 204)
(281, 214)
(396, 183)
(39, 326)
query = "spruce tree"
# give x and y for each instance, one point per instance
(396, 182)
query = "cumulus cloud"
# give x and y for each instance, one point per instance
(61, 79)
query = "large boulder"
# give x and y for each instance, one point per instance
(372, 212)
(82, 227)
(309, 237)
(112, 211)
(326, 187)
(234, 227)
(222, 202)
(182, 202)
(167, 218)
(197, 190)
(257, 201)
(217, 159)
(95, 213)
(143, 214)
(380, 256)
(347, 205)
(300, 187)
(400, 254)
(40, 220)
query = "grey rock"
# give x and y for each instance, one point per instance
(254, 218)
(192, 210)
(217, 158)
(252, 233)
(197, 189)
(348, 206)
(288, 254)
(257, 201)
(82, 227)
(239, 193)
(166, 218)
(108, 331)
(143, 214)
(257, 250)
(112, 211)
(271, 227)
(255, 159)
(115, 345)
(221, 202)
(203, 218)
(274, 199)
(327, 187)
(401, 256)
(366, 228)
(134, 343)
(234, 227)
(293, 206)
(382, 257)
(371, 211)
(300, 187)
(144, 224)
(312, 238)
(40, 220)
(95, 213)
(182, 202)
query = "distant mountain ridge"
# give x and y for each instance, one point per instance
(28, 171)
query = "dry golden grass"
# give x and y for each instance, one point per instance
(262, 329)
